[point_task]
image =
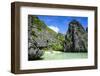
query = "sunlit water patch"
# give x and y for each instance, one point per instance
(55, 55)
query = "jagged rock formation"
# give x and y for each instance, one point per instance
(75, 38)
(41, 37)
(33, 50)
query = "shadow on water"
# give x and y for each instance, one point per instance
(35, 59)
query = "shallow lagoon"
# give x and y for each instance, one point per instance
(56, 55)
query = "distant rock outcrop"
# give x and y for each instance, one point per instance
(75, 38)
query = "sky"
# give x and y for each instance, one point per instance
(60, 23)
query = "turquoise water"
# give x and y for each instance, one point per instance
(55, 55)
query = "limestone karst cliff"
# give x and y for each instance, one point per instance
(76, 38)
(41, 37)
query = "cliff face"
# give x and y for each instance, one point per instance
(41, 37)
(75, 38)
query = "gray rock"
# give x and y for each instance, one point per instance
(35, 53)
(76, 38)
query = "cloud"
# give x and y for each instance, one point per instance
(56, 29)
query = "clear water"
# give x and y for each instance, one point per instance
(55, 55)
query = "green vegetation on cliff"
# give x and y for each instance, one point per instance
(42, 34)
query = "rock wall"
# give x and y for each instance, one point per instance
(40, 36)
(75, 38)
